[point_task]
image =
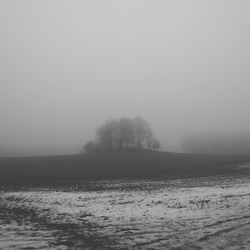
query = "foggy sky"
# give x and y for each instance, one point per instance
(67, 66)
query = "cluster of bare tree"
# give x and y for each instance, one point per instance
(122, 135)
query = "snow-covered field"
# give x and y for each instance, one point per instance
(199, 213)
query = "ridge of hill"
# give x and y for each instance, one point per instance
(104, 166)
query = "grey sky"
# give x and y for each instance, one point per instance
(67, 66)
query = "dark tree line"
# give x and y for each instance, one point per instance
(123, 135)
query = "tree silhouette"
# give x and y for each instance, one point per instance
(142, 131)
(127, 132)
(156, 144)
(123, 135)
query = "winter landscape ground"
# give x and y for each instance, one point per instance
(190, 212)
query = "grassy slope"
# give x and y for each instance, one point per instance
(113, 165)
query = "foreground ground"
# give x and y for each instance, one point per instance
(125, 201)
(192, 213)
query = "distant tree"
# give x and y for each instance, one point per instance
(109, 135)
(104, 137)
(119, 135)
(142, 131)
(127, 132)
(149, 139)
(91, 147)
(156, 144)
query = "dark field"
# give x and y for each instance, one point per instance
(115, 166)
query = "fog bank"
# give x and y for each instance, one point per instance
(68, 66)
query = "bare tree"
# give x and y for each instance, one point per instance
(117, 135)
(142, 130)
(127, 132)
(104, 137)
(149, 140)
(91, 147)
(109, 135)
(156, 144)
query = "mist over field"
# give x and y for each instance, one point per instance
(124, 124)
(68, 66)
